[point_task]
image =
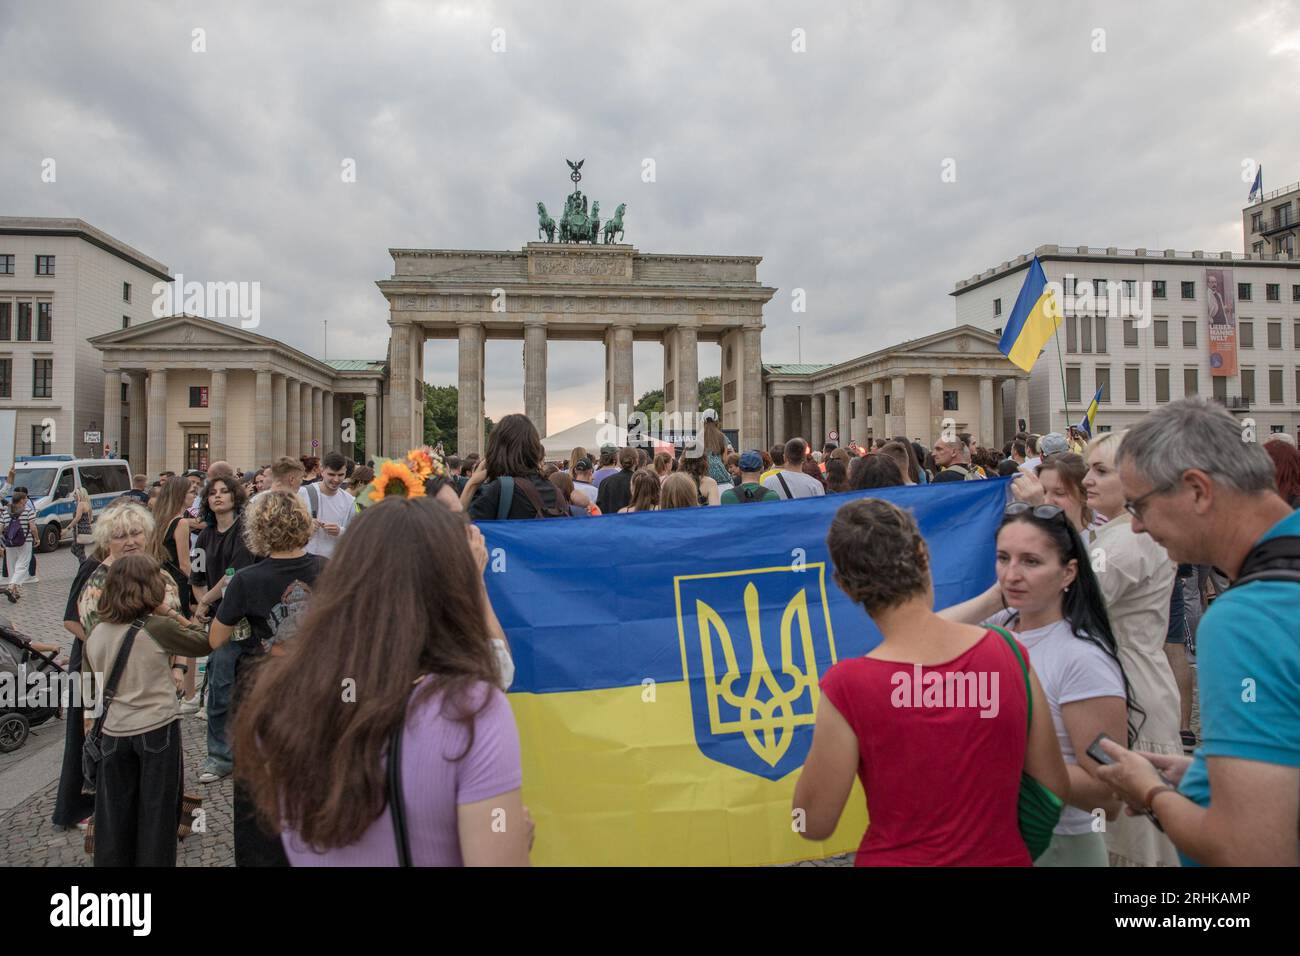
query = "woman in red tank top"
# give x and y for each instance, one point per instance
(933, 720)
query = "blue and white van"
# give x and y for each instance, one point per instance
(50, 481)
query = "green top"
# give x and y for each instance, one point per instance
(747, 493)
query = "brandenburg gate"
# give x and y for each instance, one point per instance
(576, 288)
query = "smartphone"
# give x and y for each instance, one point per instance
(1096, 753)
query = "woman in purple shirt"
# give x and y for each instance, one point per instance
(398, 632)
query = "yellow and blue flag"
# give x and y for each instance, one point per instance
(667, 668)
(1033, 321)
(1090, 415)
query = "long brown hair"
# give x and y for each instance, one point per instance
(514, 448)
(418, 609)
(132, 589)
(170, 503)
(644, 491)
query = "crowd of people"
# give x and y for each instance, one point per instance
(1115, 568)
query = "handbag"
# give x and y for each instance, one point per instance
(92, 750)
(1038, 809)
(396, 805)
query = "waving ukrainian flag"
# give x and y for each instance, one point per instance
(1090, 416)
(668, 668)
(1033, 321)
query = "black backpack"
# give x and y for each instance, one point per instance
(746, 495)
(1277, 559)
(525, 487)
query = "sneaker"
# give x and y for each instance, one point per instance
(211, 776)
(1189, 740)
(193, 705)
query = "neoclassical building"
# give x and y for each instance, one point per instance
(906, 389)
(212, 391)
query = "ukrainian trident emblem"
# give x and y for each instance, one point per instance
(754, 646)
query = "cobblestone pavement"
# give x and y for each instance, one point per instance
(27, 837)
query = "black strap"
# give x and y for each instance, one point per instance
(505, 496)
(396, 805)
(781, 478)
(1277, 559)
(115, 676)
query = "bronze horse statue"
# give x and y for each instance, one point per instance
(545, 224)
(615, 225)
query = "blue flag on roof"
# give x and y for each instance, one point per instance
(1257, 188)
(668, 667)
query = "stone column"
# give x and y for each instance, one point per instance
(860, 420)
(157, 418)
(751, 420)
(688, 373)
(137, 393)
(469, 411)
(778, 420)
(262, 417)
(329, 432)
(317, 420)
(304, 421)
(535, 374)
(1022, 400)
(817, 421)
(403, 387)
(618, 359)
(112, 413)
(217, 417)
(898, 407)
(416, 335)
(293, 418)
(279, 417)
(832, 423)
(936, 407)
(372, 426)
(987, 438)
(846, 415)
(878, 409)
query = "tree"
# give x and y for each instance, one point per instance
(711, 394)
(440, 418)
(651, 401)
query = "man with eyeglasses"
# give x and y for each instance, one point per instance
(1209, 497)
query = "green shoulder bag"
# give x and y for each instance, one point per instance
(1039, 810)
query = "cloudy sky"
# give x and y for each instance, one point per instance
(827, 162)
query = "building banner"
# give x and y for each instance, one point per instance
(667, 668)
(1221, 304)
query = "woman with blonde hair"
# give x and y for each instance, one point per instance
(678, 491)
(81, 520)
(1137, 579)
(645, 492)
(663, 465)
(576, 456)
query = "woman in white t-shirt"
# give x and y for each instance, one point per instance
(1055, 608)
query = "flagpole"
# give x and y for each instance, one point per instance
(1065, 392)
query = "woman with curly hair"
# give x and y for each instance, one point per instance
(957, 806)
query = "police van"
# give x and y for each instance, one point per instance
(50, 481)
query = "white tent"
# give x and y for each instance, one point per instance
(590, 435)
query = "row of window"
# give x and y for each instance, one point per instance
(42, 378)
(1088, 334)
(44, 321)
(1272, 292)
(1191, 385)
(45, 267)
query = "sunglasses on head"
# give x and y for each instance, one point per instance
(1042, 512)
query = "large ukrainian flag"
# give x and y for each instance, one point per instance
(1033, 321)
(667, 668)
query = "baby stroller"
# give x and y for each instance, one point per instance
(17, 656)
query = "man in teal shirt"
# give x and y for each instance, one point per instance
(1203, 489)
(749, 489)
